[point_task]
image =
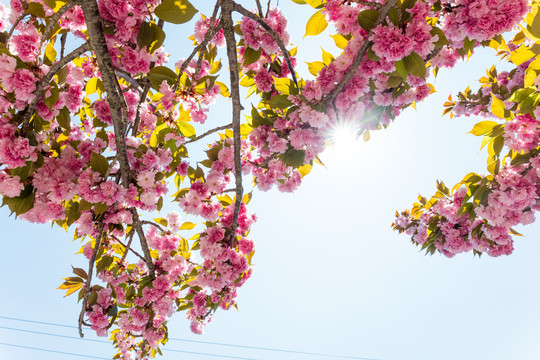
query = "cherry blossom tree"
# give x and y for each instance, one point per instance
(97, 124)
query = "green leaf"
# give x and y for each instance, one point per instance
(99, 163)
(35, 9)
(251, 56)
(414, 64)
(151, 36)
(316, 24)
(157, 74)
(483, 127)
(280, 102)
(63, 118)
(294, 158)
(22, 203)
(175, 11)
(367, 18)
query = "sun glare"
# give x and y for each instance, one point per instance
(343, 143)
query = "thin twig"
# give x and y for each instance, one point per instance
(259, 8)
(144, 244)
(146, 222)
(19, 19)
(227, 9)
(361, 52)
(63, 39)
(127, 248)
(209, 132)
(91, 264)
(212, 30)
(54, 19)
(239, 8)
(144, 94)
(47, 78)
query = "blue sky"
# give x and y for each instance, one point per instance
(330, 275)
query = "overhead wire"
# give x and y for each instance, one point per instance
(106, 342)
(54, 351)
(213, 343)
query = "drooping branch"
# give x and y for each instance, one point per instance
(91, 263)
(209, 132)
(239, 8)
(19, 19)
(360, 55)
(29, 112)
(212, 30)
(227, 9)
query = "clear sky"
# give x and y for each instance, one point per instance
(330, 275)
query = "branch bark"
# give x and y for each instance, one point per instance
(227, 9)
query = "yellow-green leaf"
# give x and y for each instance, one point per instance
(186, 129)
(497, 107)
(315, 67)
(316, 24)
(340, 41)
(483, 127)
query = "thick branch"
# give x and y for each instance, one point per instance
(212, 30)
(47, 78)
(227, 8)
(239, 8)
(91, 264)
(361, 52)
(97, 41)
(209, 132)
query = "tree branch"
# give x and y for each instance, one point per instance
(361, 52)
(91, 264)
(209, 132)
(116, 101)
(47, 78)
(239, 8)
(227, 9)
(212, 30)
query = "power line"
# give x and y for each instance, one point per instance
(54, 351)
(215, 343)
(106, 342)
